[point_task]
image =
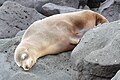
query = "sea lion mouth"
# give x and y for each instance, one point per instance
(26, 68)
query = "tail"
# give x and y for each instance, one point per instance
(100, 19)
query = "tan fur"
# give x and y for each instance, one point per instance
(53, 35)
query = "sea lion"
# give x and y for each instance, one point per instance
(53, 35)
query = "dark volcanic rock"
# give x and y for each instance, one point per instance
(24, 76)
(70, 3)
(27, 3)
(31, 76)
(118, 1)
(20, 33)
(117, 76)
(111, 10)
(97, 55)
(58, 76)
(82, 3)
(90, 3)
(39, 3)
(51, 9)
(50, 67)
(15, 17)
(94, 3)
(106, 5)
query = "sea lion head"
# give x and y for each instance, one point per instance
(24, 58)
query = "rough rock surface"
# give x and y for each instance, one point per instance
(82, 3)
(20, 33)
(70, 3)
(111, 10)
(94, 3)
(27, 3)
(105, 5)
(51, 9)
(51, 67)
(15, 17)
(117, 76)
(97, 55)
(39, 3)
(118, 1)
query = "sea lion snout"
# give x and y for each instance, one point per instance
(24, 60)
(26, 67)
(27, 64)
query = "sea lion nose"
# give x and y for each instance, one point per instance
(26, 67)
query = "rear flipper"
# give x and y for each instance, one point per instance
(75, 39)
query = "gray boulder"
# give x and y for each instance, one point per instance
(94, 3)
(27, 3)
(52, 4)
(38, 3)
(31, 76)
(51, 9)
(50, 67)
(82, 3)
(60, 75)
(24, 76)
(118, 1)
(106, 5)
(97, 56)
(15, 17)
(20, 33)
(117, 76)
(70, 3)
(110, 9)
(1, 2)
(7, 64)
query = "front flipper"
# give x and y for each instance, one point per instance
(75, 39)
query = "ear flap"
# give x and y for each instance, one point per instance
(24, 56)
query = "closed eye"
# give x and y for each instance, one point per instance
(24, 56)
